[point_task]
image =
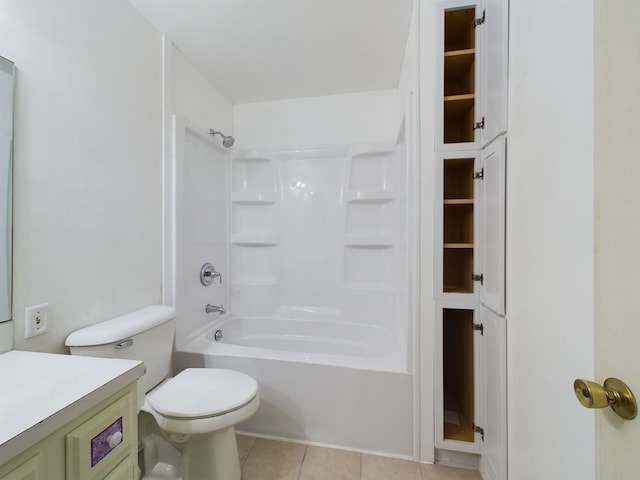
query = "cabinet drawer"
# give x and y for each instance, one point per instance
(100, 443)
(126, 470)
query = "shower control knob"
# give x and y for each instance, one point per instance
(208, 274)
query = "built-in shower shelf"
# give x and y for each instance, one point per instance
(252, 159)
(368, 241)
(251, 198)
(254, 239)
(373, 153)
(370, 196)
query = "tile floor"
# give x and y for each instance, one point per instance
(276, 460)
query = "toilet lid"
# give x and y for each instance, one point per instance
(203, 392)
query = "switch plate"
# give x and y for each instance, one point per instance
(36, 320)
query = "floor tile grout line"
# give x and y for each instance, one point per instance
(304, 456)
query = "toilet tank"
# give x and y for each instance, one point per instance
(145, 335)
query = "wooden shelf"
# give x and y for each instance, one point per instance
(458, 245)
(459, 72)
(458, 201)
(460, 53)
(457, 105)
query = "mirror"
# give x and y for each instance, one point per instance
(7, 80)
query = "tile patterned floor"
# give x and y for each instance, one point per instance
(276, 460)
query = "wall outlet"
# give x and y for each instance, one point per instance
(36, 320)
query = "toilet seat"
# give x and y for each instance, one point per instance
(197, 393)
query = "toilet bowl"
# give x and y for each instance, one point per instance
(196, 411)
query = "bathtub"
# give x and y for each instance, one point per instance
(324, 382)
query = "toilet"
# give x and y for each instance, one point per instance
(196, 411)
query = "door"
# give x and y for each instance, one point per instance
(495, 33)
(492, 244)
(617, 227)
(493, 447)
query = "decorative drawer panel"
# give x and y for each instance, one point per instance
(94, 448)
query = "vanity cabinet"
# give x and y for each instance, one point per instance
(471, 124)
(68, 417)
(99, 444)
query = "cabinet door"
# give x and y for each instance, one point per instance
(492, 243)
(493, 448)
(29, 470)
(495, 31)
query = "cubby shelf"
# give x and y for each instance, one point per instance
(254, 239)
(247, 198)
(370, 196)
(368, 241)
(456, 105)
(458, 245)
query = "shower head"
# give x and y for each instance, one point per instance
(227, 140)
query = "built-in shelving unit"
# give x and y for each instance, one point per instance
(459, 93)
(370, 204)
(470, 151)
(458, 225)
(458, 230)
(254, 237)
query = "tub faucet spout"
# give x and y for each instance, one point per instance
(214, 309)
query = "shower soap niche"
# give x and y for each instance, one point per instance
(253, 219)
(371, 172)
(252, 176)
(254, 263)
(369, 267)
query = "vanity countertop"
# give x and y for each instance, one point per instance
(41, 392)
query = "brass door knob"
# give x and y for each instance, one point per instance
(614, 393)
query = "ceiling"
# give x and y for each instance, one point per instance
(259, 50)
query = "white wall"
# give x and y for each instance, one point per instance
(550, 238)
(195, 98)
(368, 117)
(87, 159)
(199, 106)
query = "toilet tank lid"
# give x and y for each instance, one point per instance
(121, 328)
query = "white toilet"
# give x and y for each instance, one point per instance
(196, 410)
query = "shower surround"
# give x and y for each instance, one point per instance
(313, 248)
(320, 234)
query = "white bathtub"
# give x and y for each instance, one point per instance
(325, 382)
